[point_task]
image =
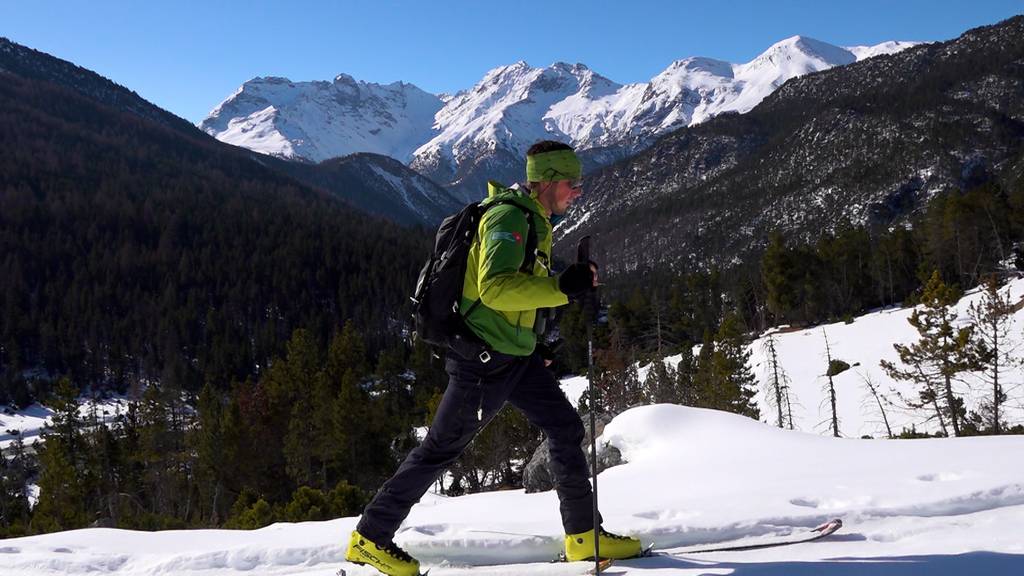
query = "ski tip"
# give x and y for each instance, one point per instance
(830, 526)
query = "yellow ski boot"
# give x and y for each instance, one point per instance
(581, 546)
(388, 558)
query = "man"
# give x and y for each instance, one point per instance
(499, 362)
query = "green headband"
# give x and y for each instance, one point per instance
(554, 165)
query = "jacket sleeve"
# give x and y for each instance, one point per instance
(503, 233)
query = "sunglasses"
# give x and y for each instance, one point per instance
(576, 184)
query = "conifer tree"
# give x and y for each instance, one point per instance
(942, 352)
(780, 273)
(208, 440)
(686, 388)
(14, 504)
(991, 317)
(63, 487)
(731, 382)
(357, 439)
(662, 383)
(621, 389)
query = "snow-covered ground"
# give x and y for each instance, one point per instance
(937, 506)
(863, 343)
(30, 422)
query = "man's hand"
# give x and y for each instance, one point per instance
(579, 277)
(547, 351)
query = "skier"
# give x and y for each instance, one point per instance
(501, 361)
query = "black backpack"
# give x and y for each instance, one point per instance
(436, 313)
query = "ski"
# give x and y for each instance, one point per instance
(343, 572)
(817, 533)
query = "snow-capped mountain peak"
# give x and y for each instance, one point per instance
(319, 120)
(891, 47)
(455, 138)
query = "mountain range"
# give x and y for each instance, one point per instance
(869, 143)
(462, 140)
(373, 183)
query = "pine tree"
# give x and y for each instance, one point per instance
(731, 382)
(780, 273)
(208, 440)
(939, 356)
(621, 389)
(63, 486)
(661, 386)
(14, 504)
(291, 387)
(992, 316)
(686, 387)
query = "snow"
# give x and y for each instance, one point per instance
(863, 343)
(509, 109)
(692, 476)
(31, 421)
(945, 506)
(891, 47)
(321, 120)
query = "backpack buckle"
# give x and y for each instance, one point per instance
(485, 357)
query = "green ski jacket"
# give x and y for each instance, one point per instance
(509, 299)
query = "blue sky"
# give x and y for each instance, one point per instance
(187, 55)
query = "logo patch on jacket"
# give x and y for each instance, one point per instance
(507, 237)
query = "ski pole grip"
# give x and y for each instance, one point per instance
(583, 250)
(590, 298)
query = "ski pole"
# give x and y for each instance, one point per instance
(590, 301)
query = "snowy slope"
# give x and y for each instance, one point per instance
(867, 340)
(320, 120)
(31, 422)
(945, 506)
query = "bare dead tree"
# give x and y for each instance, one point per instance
(834, 368)
(878, 397)
(778, 385)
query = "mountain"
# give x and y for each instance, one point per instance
(30, 64)
(315, 121)
(483, 133)
(135, 247)
(377, 184)
(866, 143)
(387, 189)
(490, 127)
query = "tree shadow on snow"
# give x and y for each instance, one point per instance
(971, 563)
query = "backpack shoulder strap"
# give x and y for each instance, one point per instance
(530, 257)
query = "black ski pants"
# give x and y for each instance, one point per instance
(476, 392)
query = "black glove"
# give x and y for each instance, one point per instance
(547, 350)
(577, 279)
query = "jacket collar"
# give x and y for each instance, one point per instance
(517, 193)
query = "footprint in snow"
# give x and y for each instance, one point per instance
(940, 477)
